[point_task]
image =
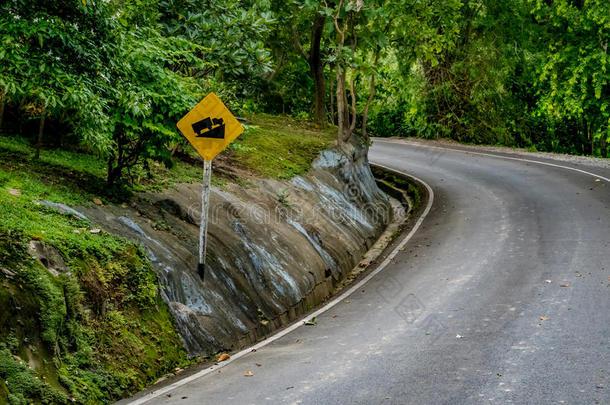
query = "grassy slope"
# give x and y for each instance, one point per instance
(100, 331)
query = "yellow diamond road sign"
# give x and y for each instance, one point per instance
(210, 127)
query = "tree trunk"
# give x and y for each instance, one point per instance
(332, 98)
(316, 67)
(317, 70)
(365, 112)
(114, 173)
(40, 132)
(343, 115)
(603, 144)
(2, 103)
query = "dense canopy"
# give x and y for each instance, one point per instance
(112, 77)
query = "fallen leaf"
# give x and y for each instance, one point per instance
(184, 397)
(289, 388)
(14, 191)
(311, 322)
(97, 201)
(95, 231)
(223, 357)
(544, 318)
(258, 364)
(578, 275)
(249, 374)
(597, 180)
(564, 285)
(459, 336)
(253, 350)
(444, 278)
(548, 281)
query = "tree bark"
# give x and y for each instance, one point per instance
(332, 98)
(316, 67)
(317, 70)
(342, 107)
(40, 132)
(365, 112)
(2, 104)
(112, 172)
(344, 132)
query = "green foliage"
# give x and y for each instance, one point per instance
(525, 73)
(231, 33)
(574, 76)
(96, 332)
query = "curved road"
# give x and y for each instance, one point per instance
(471, 311)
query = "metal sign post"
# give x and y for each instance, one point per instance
(210, 128)
(203, 228)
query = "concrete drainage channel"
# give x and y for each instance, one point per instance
(411, 201)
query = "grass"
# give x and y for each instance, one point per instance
(271, 146)
(100, 330)
(96, 333)
(280, 147)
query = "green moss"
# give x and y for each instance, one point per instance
(100, 330)
(280, 147)
(95, 334)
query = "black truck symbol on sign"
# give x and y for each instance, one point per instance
(210, 128)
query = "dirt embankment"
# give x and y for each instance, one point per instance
(275, 250)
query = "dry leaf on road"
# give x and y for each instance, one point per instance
(249, 374)
(223, 357)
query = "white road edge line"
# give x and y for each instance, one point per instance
(498, 156)
(298, 324)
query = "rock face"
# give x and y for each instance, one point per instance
(275, 249)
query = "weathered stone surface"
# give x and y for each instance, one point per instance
(275, 249)
(48, 256)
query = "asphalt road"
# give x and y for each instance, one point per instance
(472, 310)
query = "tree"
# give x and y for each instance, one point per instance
(574, 76)
(148, 98)
(359, 28)
(314, 59)
(54, 53)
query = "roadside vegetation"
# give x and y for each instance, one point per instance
(91, 90)
(99, 329)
